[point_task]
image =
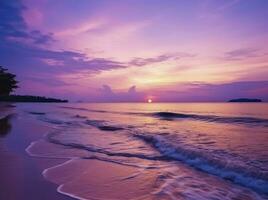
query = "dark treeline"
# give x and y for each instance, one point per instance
(8, 84)
(28, 98)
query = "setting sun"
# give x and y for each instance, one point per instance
(150, 101)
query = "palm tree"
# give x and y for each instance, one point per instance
(7, 82)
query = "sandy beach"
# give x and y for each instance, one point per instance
(31, 177)
(21, 175)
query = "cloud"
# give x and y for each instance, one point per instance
(198, 91)
(226, 5)
(132, 90)
(18, 41)
(160, 58)
(53, 62)
(51, 81)
(106, 94)
(27, 46)
(248, 89)
(24, 44)
(240, 54)
(36, 57)
(39, 59)
(106, 90)
(213, 10)
(13, 26)
(82, 28)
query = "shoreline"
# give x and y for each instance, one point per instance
(21, 174)
(28, 176)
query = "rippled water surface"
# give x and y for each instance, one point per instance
(194, 150)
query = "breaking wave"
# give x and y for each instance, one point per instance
(173, 116)
(222, 165)
(212, 118)
(238, 173)
(103, 126)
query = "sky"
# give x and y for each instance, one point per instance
(133, 50)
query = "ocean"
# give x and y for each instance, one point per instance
(184, 150)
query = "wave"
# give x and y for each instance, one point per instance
(80, 117)
(83, 109)
(51, 138)
(102, 125)
(52, 121)
(7, 117)
(240, 174)
(221, 166)
(174, 115)
(230, 168)
(212, 118)
(103, 111)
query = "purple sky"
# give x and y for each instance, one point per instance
(132, 50)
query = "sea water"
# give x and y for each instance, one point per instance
(197, 150)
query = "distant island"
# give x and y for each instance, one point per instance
(245, 100)
(28, 98)
(8, 84)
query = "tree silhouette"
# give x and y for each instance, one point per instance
(7, 82)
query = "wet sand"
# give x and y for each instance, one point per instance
(21, 175)
(25, 177)
(95, 179)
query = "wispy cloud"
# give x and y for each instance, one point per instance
(159, 59)
(13, 26)
(82, 28)
(14, 33)
(239, 54)
(17, 40)
(213, 10)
